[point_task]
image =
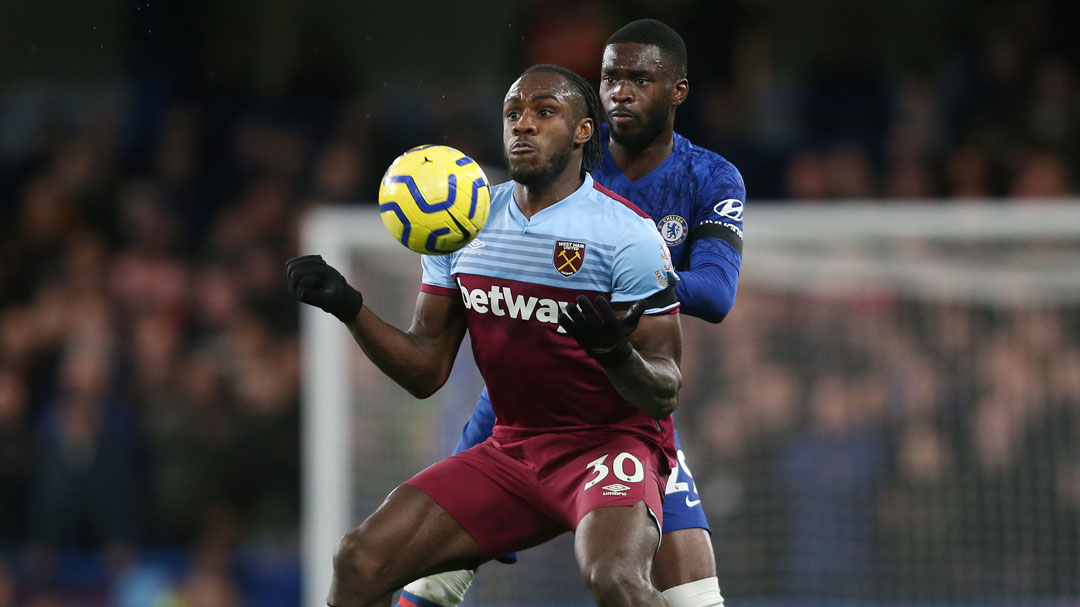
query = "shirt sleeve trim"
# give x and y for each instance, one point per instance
(672, 309)
(437, 290)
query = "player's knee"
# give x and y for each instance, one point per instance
(355, 564)
(610, 582)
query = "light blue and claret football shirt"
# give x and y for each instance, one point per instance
(518, 273)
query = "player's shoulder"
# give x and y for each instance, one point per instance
(620, 223)
(700, 158)
(707, 167)
(615, 214)
(611, 203)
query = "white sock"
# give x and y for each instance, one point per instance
(701, 593)
(447, 589)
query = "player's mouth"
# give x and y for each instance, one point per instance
(621, 116)
(522, 147)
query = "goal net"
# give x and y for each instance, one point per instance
(890, 416)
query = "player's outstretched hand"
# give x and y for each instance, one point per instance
(604, 337)
(317, 283)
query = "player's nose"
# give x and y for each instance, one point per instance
(621, 92)
(525, 125)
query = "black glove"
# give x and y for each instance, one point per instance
(603, 336)
(317, 283)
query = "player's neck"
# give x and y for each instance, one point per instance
(532, 199)
(637, 163)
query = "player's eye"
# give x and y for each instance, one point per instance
(512, 115)
(642, 81)
(544, 112)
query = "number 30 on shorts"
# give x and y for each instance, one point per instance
(626, 467)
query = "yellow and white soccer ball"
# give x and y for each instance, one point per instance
(434, 199)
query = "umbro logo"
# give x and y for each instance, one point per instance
(615, 489)
(473, 248)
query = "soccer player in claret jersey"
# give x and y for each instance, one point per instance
(696, 198)
(589, 452)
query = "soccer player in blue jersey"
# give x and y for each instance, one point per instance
(696, 198)
(589, 453)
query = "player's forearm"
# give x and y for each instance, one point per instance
(650, 384)
(415, 364)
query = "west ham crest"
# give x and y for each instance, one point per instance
(568, 257)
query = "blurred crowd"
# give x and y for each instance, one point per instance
(148, 366)
(975, 100)
(149, 445)
(889, 449)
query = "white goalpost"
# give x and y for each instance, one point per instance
(995, 265)
(326, 402)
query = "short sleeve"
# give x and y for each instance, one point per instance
(437, 271)
(718, 211)
(642, 265)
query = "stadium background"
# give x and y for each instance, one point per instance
(156, 159)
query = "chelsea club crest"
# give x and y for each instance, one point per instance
(673, 229)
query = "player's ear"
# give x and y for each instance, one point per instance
(584, 131)
(680, 91)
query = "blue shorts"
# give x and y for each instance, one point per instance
(682, 504)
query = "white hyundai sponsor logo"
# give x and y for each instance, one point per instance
(732, 208)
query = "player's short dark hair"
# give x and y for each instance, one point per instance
(655, 33)
(590, 103)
